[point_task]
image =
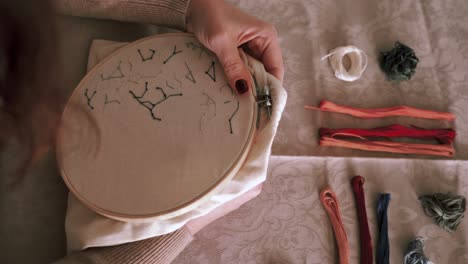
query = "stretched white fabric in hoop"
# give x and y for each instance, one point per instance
(358, 59)
(84, 228)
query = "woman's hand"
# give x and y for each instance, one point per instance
(223, 28)
(197, 224)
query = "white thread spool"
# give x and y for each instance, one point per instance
(357, 58)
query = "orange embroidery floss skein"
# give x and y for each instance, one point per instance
(330, 202)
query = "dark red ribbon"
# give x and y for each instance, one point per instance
(365, 237)
(444, 136)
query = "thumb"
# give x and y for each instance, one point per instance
(236, 72)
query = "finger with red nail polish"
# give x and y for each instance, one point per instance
(241, 86)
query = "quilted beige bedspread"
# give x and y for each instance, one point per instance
(287, 223)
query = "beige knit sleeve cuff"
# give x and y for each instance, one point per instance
(157, 250)
(169, 13)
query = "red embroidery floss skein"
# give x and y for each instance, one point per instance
(366, 242)
(364, 139)
(443, 136)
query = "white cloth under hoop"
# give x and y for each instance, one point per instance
(84, 228)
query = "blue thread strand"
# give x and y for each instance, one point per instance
(383, 247)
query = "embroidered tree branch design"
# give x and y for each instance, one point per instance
(116, 74)
(194, 46)
(189, 75)
(138, 76)
(107, 101)
(210, 102)
(227, 101)
(150, 57)
(177, 80)
(174, 52)
(89, 98)
(232, 116)
(212, 71)
(152, 105)
(169, 86)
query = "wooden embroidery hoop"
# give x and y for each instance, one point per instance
(137, 192)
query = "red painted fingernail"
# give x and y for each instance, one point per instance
(241, 86)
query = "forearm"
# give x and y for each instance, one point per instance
(169, 13)
(158, 250)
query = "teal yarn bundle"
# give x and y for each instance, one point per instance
(399, 63)
(447, 210)
(415, 253)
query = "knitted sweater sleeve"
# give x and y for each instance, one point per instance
(157, 250)
(169, 13)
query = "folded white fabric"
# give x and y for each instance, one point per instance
(85, 228)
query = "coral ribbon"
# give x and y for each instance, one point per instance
(330, 202)
(445, 150)
(328, 106)
(366, 242)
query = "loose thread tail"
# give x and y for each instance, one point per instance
(383, 247)
(415, 253)
(366, 242)
(330, 202)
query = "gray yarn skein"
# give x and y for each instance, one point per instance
(447, 210)
(415, 253)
